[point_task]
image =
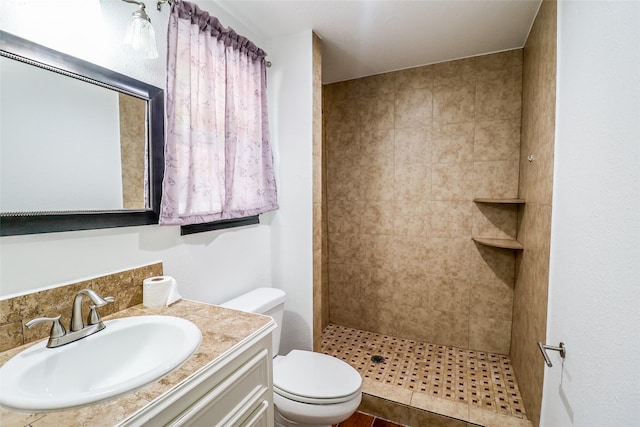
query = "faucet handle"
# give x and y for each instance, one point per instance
(57, 330)
(94, 317)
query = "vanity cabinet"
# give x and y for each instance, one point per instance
(234, 389)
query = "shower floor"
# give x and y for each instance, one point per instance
(473, 386)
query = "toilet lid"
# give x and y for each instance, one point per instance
(315, 378)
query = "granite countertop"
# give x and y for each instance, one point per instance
(221, 328)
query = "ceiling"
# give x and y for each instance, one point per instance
(361, 38)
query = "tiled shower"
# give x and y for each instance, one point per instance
(404, 156)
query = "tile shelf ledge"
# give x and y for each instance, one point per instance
(499, 201)
(499, 243)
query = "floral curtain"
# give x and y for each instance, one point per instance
(218, 160)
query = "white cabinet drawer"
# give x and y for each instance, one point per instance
(260, 417)
(233, 400)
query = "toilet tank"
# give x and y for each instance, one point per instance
(267, 301)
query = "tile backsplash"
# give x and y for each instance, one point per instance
(125, 286)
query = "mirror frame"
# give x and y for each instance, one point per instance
(17, 48)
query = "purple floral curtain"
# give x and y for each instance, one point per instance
(218, 160)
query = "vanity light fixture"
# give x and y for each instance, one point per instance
(140, 34)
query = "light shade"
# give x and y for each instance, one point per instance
(141, 36)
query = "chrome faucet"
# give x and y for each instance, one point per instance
(78, 330)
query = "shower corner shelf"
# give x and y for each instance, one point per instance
(499, 201)
(499, 243)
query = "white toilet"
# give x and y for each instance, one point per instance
(310, 389)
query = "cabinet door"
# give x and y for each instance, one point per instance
(260, 417)
(234, 400)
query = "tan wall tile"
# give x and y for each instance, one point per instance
(453, 143)
(454, 104)
(376, 148)
(413, 108)
(497, 140)
(488, 334)
(450, 294)
(412, 182)
(412, 218)
(499, 99)
(376, 113)
(451, 218)
(453, 181)
(496, 179)
(412, 145)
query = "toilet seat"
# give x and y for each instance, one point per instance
(315, 378)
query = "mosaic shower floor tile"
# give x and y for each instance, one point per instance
(477, 379)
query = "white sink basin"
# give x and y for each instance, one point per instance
(127, 354)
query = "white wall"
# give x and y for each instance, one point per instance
(594, 294)
(291, 117)
(212, 266)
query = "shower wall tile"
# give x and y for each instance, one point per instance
(453, 143)
(454, 103)
(376, 113)
(413, 108)
(496, 179)
(453, 181)
(450, 294)
(499, 99)
(376, 148)
(413, 78)
(497, 221)
(497, 140)
(454, 72)
(488, 334)
(412, 182)
(451, 218)
(412, 219)
(406, 153)
(536, 182)
(412, 146)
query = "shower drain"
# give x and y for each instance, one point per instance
(377, 359)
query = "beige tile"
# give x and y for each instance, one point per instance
(376, 182)
(375, 217)
(412, 218)
(343, 116)
(456, 410)
(343, 216)
(491, 300)
(499, 66)
(343, 149)
(496, 221)
(377, 85)
(453, 143)
(492, 264)
(8, 418)
(385, 408)
(453, 181)
(347, 89)
(413, 108)
(449, 328)
(449, 294)
(413, 145)
(497, 179)
(414, 78)
(454, 104)
(397, 394)
(412, 182)
(412, 255)
(344, 183)
(491, 335)
(499, 99)
(376, 113)
(376, 148)
(453, 72)
(497, 140)
(491, 419)
(317, 226)
(451, 218)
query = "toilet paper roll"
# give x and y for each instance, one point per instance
(159, 291)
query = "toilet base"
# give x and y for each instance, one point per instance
(311, 415)
(280, 421)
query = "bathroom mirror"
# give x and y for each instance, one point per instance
(81, 146)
